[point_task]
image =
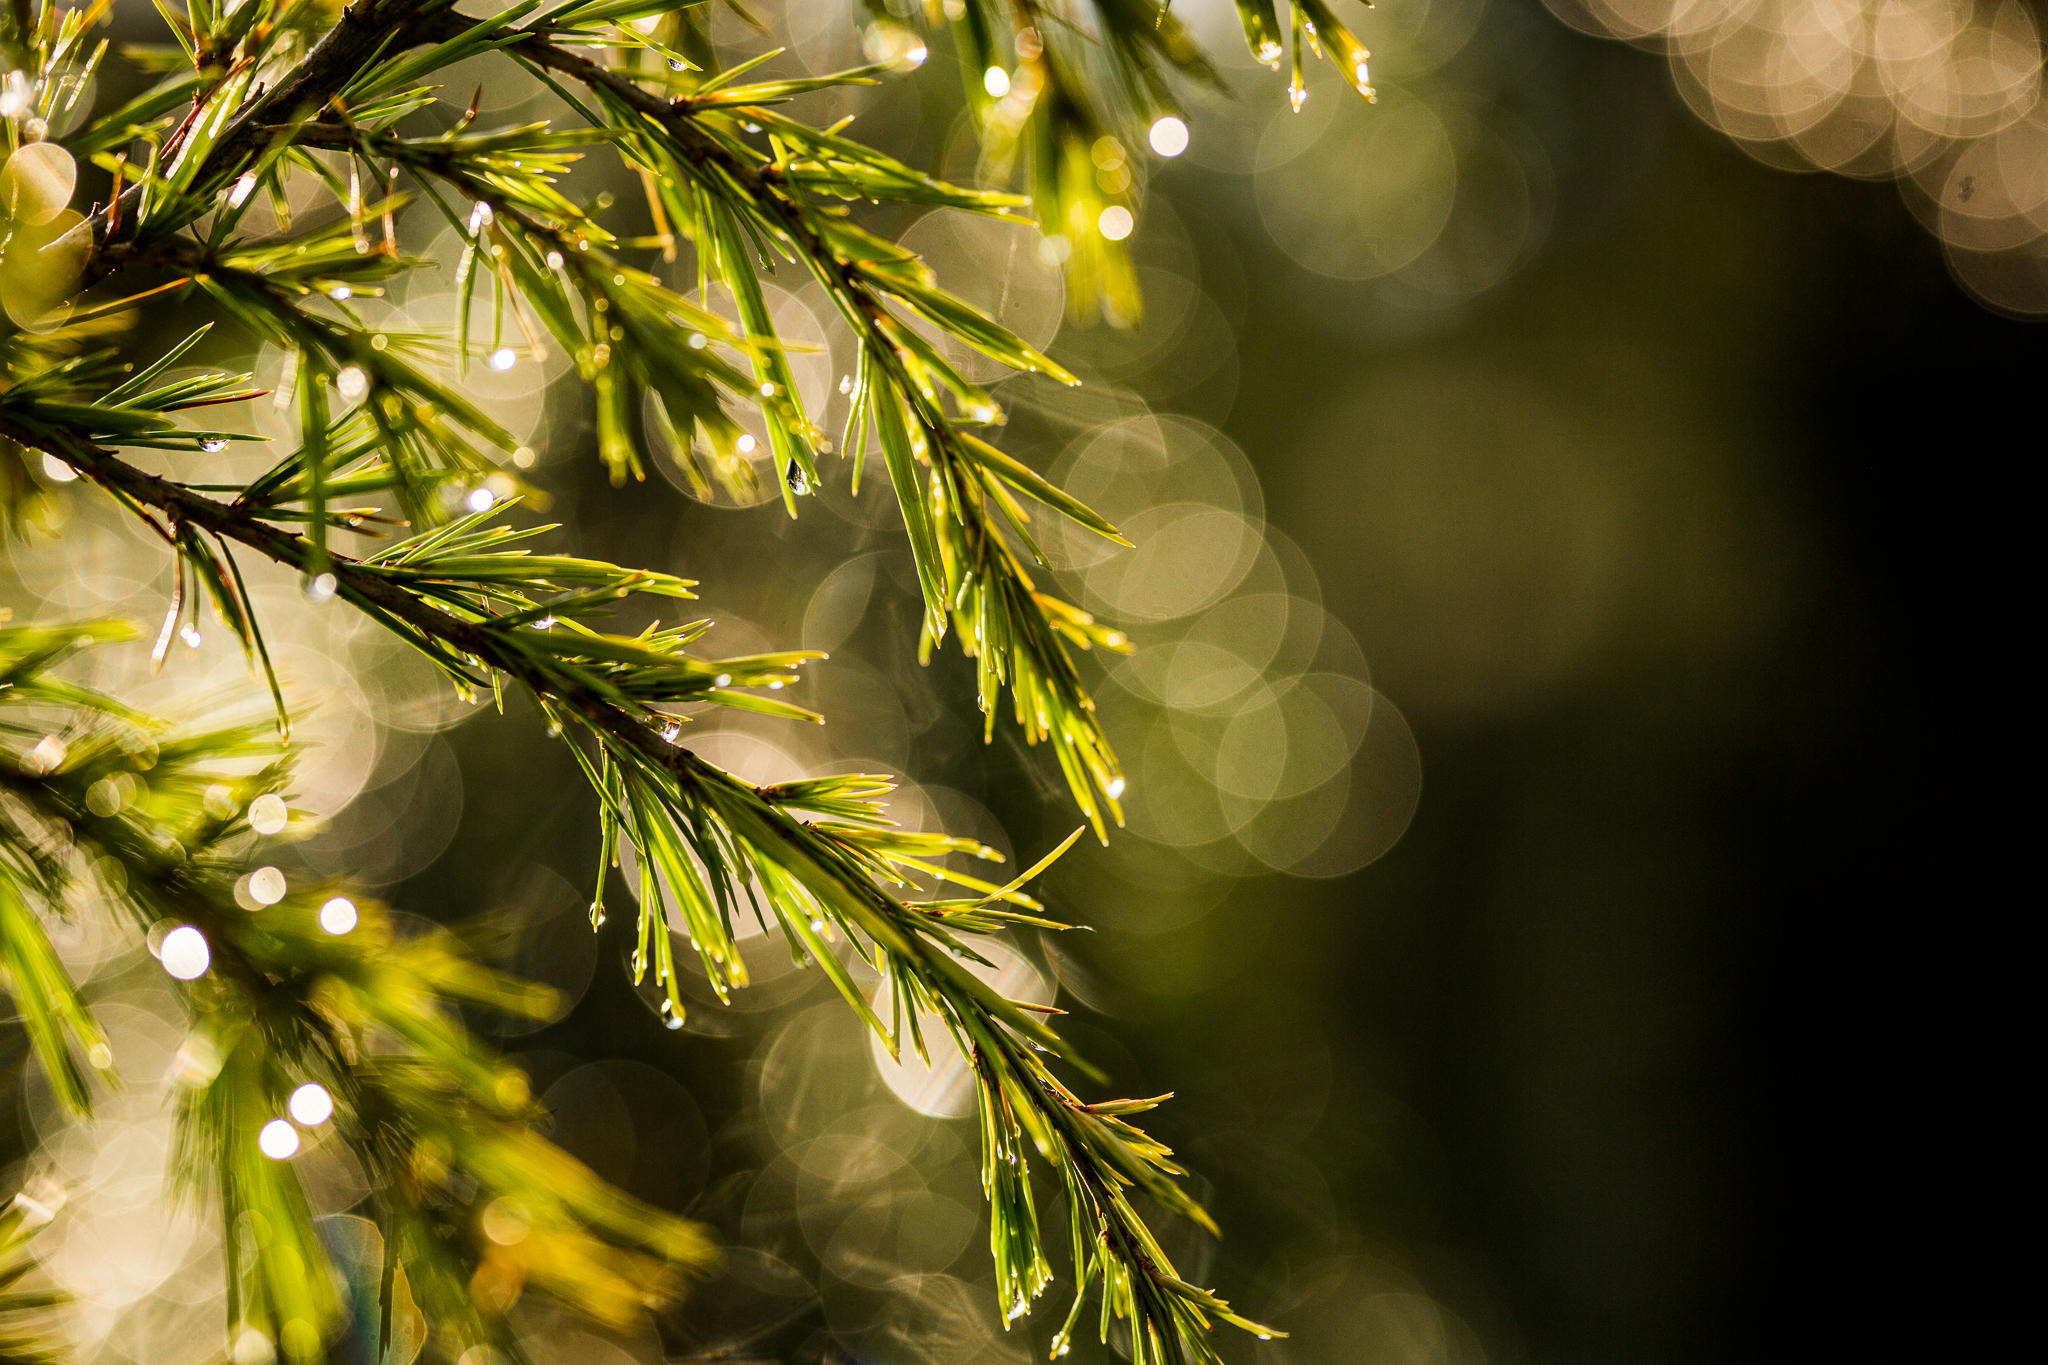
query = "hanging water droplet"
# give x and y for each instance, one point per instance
(798, 484)
(320, 587)
(1297, 95)
(191, 636)
(671, 1017)
(214, 445)
(1269, 52)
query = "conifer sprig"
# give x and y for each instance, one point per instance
(1069, 91)
(718, 846)
(265, 95)
(963, 501)
(311, 1016)
(22, 1310)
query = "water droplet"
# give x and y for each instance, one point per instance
(338, 915)
(1115, 788)
(722, 680)
(214, 445)
(278, 1139)
(1168, 135)
(502, 359)
(846, 383)
(341, 293)
(46, 757)
(321, 587)
(191, 636)
(268, 813)
(1297, 95)
(184, 953)
(267, 886)
(310, 1104)
(1269, 52)
(798, 484)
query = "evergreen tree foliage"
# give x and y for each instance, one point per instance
(401, 500)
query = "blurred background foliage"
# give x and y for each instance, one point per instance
(1519, 431)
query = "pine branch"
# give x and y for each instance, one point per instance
(1019, 635)
(310, 1013)
(815, 872)
(21, 1311)
(265, 92)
